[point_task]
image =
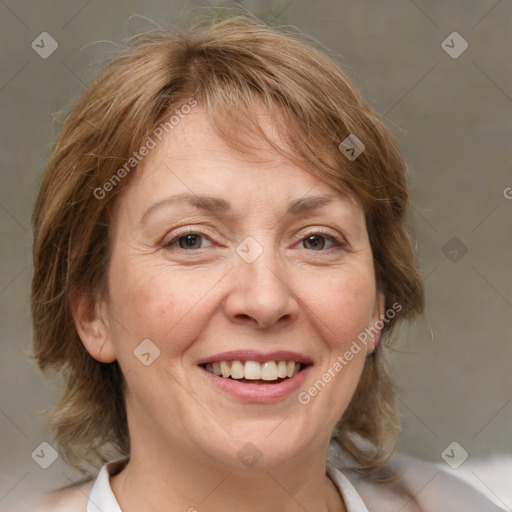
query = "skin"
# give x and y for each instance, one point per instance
(193, 303)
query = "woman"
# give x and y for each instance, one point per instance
(220, 258)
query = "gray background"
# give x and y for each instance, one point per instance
(453, 120)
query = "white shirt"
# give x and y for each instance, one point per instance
(102, 498)
(420, 487)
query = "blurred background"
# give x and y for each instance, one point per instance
(440, 74)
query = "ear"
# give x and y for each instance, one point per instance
(92, 325)
(377, 322)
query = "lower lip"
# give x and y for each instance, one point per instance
(258, 393)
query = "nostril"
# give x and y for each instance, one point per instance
(243, 316)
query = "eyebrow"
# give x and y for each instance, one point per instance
(218, 205)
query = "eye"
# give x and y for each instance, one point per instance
(189, 240)
(317, 241)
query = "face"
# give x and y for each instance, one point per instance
(248, 267)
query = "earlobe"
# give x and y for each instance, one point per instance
(380, 306)
(377, 320)
(92, 325)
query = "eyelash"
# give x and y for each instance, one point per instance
(337, 242)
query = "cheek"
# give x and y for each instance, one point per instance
(168, 306)
(341, 312)
(344, 305)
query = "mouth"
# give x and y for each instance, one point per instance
(255, 377)
(254, 372)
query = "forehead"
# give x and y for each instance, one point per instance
(193, 158)
(195, 139)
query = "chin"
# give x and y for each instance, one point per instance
(257, 451)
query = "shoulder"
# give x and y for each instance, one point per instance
(419, 486)
(69, 499)
(76, 498)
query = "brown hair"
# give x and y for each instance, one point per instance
(229, 67)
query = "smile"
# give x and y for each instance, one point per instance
(256, 377)
(253, 371)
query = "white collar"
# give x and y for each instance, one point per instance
(352, 499)
(102, 498)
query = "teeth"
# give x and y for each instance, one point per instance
(216, 369)
(252, 370)
(224, 368)
(237, 370)
(281, 369)
(269, 371)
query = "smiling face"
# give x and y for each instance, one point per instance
(254, 269)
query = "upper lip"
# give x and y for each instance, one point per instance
(254, 355)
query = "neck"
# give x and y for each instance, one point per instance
(156, 481)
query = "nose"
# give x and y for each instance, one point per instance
(261, 293)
